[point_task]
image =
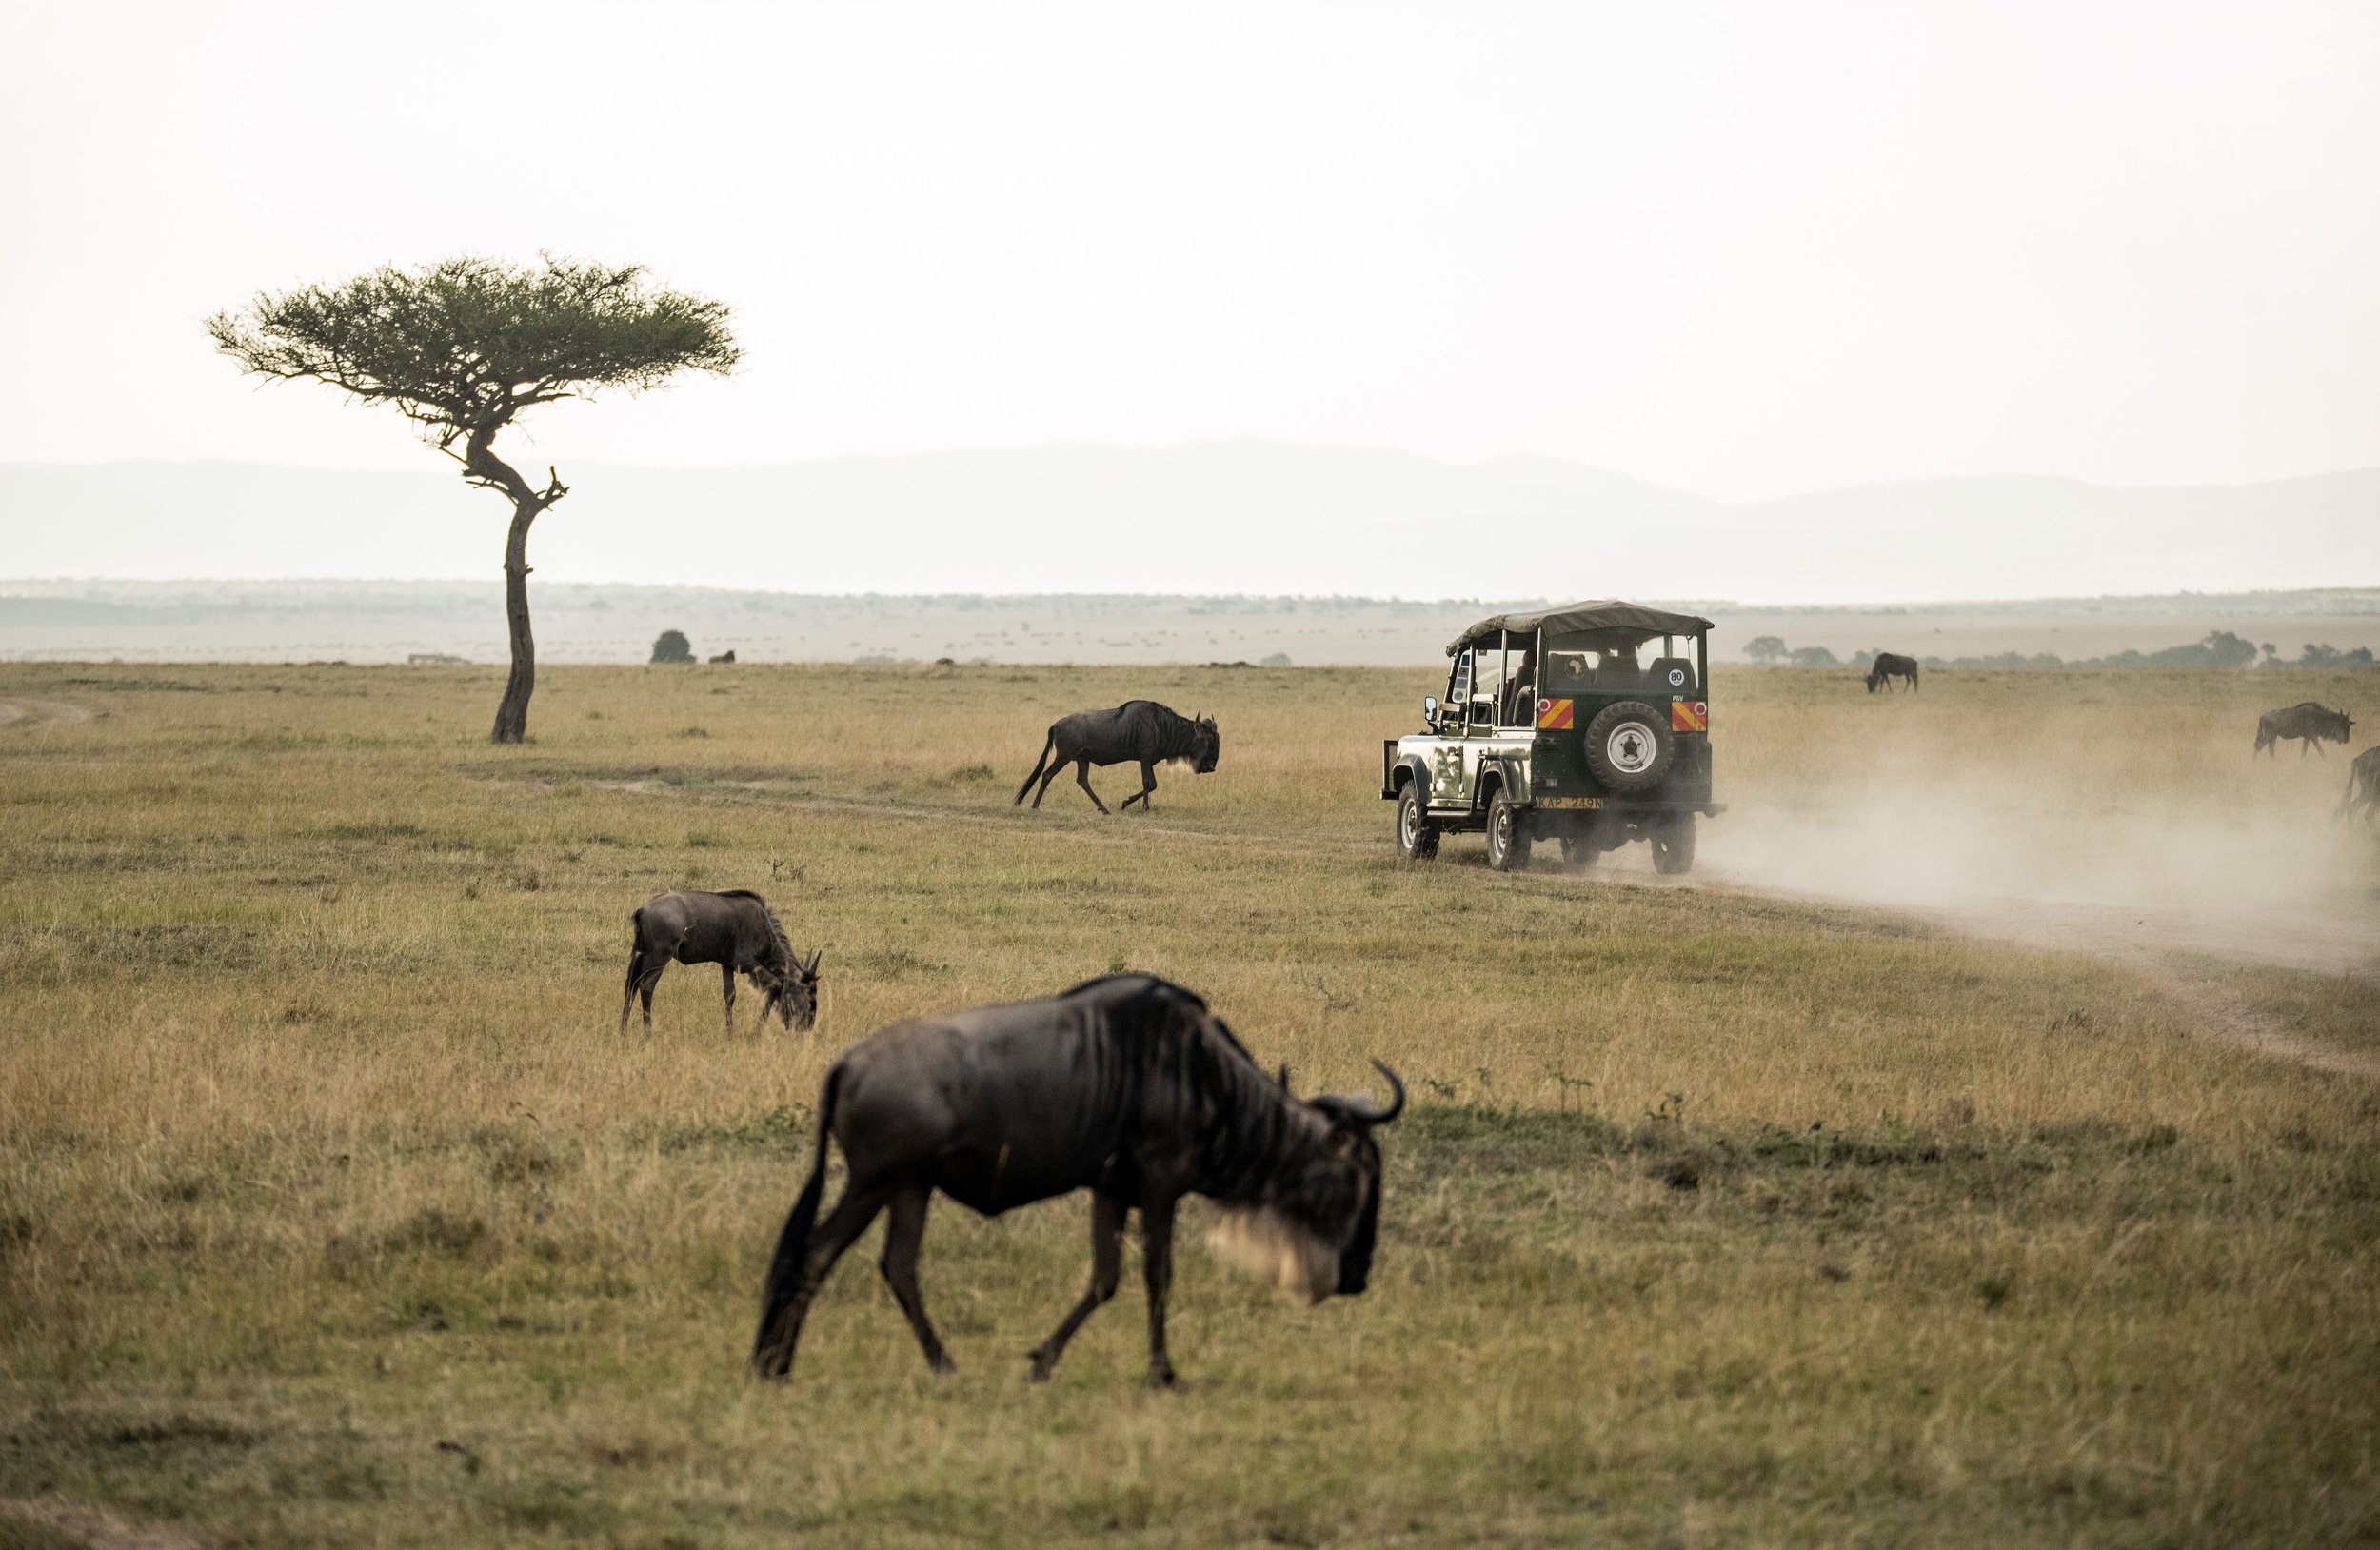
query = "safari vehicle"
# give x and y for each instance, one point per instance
(1587, 724)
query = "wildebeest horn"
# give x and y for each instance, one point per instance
(1359, 1110)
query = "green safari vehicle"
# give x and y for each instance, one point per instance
(1587, 723)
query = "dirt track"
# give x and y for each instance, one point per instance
(28, 713)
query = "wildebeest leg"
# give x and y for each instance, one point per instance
(1148, 784)
(1082, 779)
(1156, 1267)
(773, 1354)
(1047, 776)
(903, 1232)
(1107, 1268)
(644, 990)
(636, 969)
(727, 988)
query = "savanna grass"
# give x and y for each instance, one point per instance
(334, 1211)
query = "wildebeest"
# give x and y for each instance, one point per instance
(2362, 784)
(1139, 730)
(2310, 722)
(1124, 1085)
(735, 930)
(727, 656)
(1891, 665)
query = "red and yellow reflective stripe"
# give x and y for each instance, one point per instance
(1553, 715)
(1689, 716)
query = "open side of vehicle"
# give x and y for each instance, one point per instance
(1587, 724)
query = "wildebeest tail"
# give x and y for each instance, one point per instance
(2349, 800)
(772, 1349)
(1047, 744)
(636, 944)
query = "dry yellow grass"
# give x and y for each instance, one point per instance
(1720, 1215)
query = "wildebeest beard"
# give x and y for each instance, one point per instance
(1288, 1240)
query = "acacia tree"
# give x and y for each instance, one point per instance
(461, 347)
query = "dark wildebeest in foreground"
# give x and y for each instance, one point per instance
(1127, 1087)
(1140, 730)
(2310, 722)
(736, 930)
(1888, 665)
(2363, 786)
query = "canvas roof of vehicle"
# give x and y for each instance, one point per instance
(1572, 617)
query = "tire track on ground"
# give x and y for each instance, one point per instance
(27, 714)
(2217, 1012)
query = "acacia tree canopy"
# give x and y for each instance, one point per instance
(462, 346)
(466, 343)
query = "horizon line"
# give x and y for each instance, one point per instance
(1026, 448)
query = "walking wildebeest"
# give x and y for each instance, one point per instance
(736, 930)
(2310, 722)
(1139, 730)
(1127, 1087)
(2362, 784)
(1891, 665)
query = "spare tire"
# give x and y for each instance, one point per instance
(1629, 747)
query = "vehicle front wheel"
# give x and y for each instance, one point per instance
(1416, 836)
(1673, 845)
(1507, 834)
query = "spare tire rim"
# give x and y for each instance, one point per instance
(1631, 748)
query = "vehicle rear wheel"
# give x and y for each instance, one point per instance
(1673, 845)
(1629, 746)
(1416, 836)
(1507, 834)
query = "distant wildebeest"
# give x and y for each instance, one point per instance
(2310, 722)
(1891, 665)
(1137, 730)
(2362, 784)
(1127, 1087)
(728, 656)
(736, 930)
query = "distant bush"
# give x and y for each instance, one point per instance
(1811, 656)
(1765, 650)
(672, 645)
(1279, 659)
(2324, 656)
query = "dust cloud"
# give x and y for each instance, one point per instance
(2071, 827)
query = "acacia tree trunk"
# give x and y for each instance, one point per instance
(481, 466)
(512, 711)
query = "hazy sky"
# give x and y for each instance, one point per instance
(1744, 250)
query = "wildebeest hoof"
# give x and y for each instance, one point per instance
(1161, 1377)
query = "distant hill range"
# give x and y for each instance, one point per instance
(1211, 518)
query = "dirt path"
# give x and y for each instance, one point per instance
(24, 714)
(2140, 940)
(2234, 1022)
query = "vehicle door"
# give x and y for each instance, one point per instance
(1482, 737)
(1450, 775)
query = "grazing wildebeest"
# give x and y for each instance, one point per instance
(2363, 786)
(1127, 1087)
(1139, 730)
(2310, 722)
(1892, 665)
(736, 930)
